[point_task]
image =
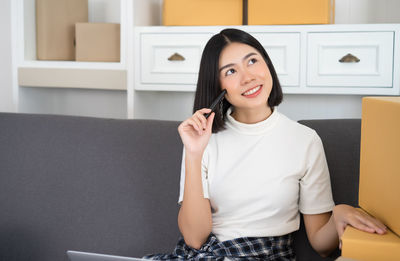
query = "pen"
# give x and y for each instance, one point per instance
(216, 102)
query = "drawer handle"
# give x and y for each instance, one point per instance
(349, 58)
(176, 57)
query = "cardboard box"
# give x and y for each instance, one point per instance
(97, 42)
(202, 12)
(379, 190)
(269, 12)
(360, 245)
(55, 27)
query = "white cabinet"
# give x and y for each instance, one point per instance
(283, 50)
(311, 59)
(170, 60)
(350, 59)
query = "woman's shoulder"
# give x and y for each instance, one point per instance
(296, 128)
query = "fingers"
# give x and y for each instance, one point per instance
(198, 121)
(371, 224)
(361, 226)
(199, 115)
(365, 222)
(199, 125)
(192, 122)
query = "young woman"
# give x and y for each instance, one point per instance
(248, 171)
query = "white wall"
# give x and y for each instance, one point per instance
(82, 102)
(102, 103)
(302, 106)
(367, 11)
(7, 100)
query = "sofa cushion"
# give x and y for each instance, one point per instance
(111, 186)
(96, 185)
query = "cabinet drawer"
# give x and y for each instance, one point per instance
(171, 58)
(363, 59)
(284, 51)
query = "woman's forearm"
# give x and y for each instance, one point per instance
(194, 219)
(326, 239)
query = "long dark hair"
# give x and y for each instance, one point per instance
(208, 84)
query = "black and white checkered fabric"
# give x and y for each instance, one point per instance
(244, 248)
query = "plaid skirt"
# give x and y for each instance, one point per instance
(244, 248)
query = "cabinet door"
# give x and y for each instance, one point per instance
(350, 59)
(284, 52)
(171, 58)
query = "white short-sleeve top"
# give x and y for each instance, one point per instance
(258, 177)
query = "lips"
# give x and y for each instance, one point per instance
(253, 91)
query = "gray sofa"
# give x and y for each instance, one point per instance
(111, 186)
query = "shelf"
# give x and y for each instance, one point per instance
(90, 78)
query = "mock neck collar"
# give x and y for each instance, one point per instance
(254, 128)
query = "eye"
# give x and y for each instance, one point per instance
(230, 71)
(252, 61)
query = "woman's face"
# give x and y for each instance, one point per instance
(245, 75)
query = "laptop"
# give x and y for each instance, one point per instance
(85, 256)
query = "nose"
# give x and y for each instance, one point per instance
(247, 76)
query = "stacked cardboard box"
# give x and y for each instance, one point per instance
(55, 27)
(97, 42)
(379, 193)
(252, 12)
(64, 34)
(202, 12)
(291, 12)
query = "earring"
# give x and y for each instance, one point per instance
(221, 112)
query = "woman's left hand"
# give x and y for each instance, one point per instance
(347, 215)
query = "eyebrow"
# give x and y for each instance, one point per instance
(231, 64)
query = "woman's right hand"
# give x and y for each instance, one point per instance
(196, 131)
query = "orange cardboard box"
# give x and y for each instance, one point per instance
(364, 246)
(269, 12)
(55, 27)
(202, 12)
(97, 42)
(379, 190)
